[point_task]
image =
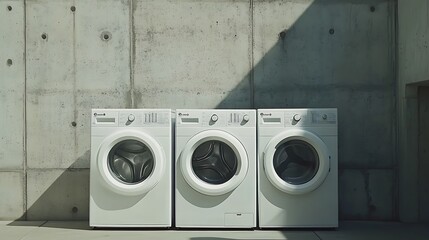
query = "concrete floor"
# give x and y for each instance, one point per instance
(80, 230)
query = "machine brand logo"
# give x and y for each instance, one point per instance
(183, 114)
(265, 114)
(99, 114)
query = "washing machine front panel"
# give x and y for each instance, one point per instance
(214, 162)
(130, 170)
(215, 168)
(296, 161)
(297, 172)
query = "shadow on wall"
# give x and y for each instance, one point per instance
(61, 195)
(339, 54)
(65, 197)
(325, 53)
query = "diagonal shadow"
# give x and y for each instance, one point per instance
(65, 198)
(334, 54)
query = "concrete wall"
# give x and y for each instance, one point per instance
(413, 71)
(12, 109)
(191, 54)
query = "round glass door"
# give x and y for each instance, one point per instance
(296, 161)
(213, 162)
(130, 162)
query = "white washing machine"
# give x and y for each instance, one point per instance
(298, 168)
(131, 168)
(215, 168)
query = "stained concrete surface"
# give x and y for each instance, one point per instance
(57, 194)
(299, 62)
(413, 45)
(376, 203)
(18, 230)
(80, 230)
(12, 82)
(71, 71)
(12, 195)
(192, 54)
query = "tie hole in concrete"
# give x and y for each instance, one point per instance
(106, 36)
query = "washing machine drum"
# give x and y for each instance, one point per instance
(130, 161)
(296, 161)
(214, 162)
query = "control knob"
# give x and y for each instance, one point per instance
(131, 117)
(296, 117)
(246, 118)
(214, 118)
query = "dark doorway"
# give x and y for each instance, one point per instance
(423, 98)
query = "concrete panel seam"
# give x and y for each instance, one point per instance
(75, 111)
(252, 59)
(395, 126)
(25, 112)
(132, 50)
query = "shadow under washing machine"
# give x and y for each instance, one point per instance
(131, 168)
(215, 168)
(297, 168)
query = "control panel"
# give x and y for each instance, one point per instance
(131, 118)
(297, 117)
(216, 118)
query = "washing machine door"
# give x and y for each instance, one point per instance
(296, 161)
(214, 162)
(130, 162)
